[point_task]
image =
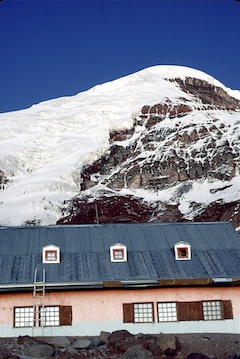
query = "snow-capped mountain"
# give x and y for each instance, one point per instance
(159, 145)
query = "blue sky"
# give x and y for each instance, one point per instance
(54, 48)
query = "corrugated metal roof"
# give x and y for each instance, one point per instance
(85, 256)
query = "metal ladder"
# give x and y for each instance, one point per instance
(39, 301)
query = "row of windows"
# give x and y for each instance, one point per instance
(53, 256)
(118, 252)
(51, 253)
(42, 316)
(177, 311)
(132, 313)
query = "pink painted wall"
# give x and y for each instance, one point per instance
(104, 305)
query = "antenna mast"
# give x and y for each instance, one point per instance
(96, 210)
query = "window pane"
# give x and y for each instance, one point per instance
(182, 252)
(51, 255)
(212, 310)
(118, 254)
(143, 313)
(167, 312)
(49, 316)
(23, 317)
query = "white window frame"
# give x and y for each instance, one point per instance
(52, 249)
(167, 311)
(49, 316)
(143, 312)
(23, 317)
(115, 253)
(212, 310)
(179, 248)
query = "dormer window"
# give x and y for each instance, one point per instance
(51, 254)
(182, 251)
(118, 253)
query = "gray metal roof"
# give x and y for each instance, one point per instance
(85, 258)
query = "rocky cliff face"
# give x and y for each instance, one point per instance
(173, 147)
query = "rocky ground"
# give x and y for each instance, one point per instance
(122, 344)
(213, 345)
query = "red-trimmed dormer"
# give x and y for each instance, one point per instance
(118, 253)
(182, 251)
(51, 254)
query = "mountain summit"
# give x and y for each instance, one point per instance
(162, 144)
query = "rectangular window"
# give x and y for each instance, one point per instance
(167, 312)
(23, 317)
(143, 312)
(138, 313)
(212, 310)
(182, 252)
(51, 255)
(118, 254)
(49, 316)
(42, 316)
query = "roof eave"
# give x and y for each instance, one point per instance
(125, 284)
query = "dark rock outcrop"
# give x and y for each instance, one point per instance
(113, 208)
(209, 94)
(3, 180)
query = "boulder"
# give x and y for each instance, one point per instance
(60, 342)
(104, 336)
(149, 338)
(117, 337)
(81, 344)
(95, 343)
(168, 341)
(36, 351)
(26, 340)
(137, 352)
(129, 342)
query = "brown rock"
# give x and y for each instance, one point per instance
(117, 338)
(167, 342)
